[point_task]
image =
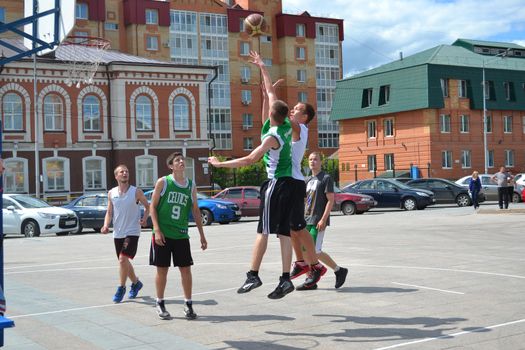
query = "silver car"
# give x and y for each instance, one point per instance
(489, 187)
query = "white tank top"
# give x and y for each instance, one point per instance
(298, 149)
(126, 213)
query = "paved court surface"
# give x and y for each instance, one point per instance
(442, 278)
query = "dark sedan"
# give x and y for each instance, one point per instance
(90, 209)
(392, 194)
(446, 191)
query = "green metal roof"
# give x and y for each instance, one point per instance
(469, 44)
(415, 82)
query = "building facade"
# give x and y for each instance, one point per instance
(303, 50)
(427, 111)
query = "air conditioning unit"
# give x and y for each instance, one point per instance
(246, 127)
(166, 44)
(246, 103)
(245, 80)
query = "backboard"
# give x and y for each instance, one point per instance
(48, 25)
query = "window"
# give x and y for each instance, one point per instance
(444, 122)
(152, 16)
(371, 162)
(110, 26)
(490, 159)
(94, 173)
(507, 124)
(247, 143)
(266, 39)
(242, 27)
(244, 48)
(462, 88)
(300, 53)
(152, 43)
(181, 114)
(15, 175)
(388, 125)
(247, 120)
(444, 86)
(446, 159)
(189, 168)
(53, 115)
(464, 123)
(267, 62)
(389, 161)
(523, 123)
(234, 193)
(508, 86)
(367, 98)
(371, 129)
(300, 30)
(246, 97)
(55, 177)
(80, 36)
(302, 96)
(245, 74)
(489, 92)
(251, 193)
(465, 158)
(509, 158)
(81, 10)
(2, 14)
(301, 75)
(384, 95)
(91, 113)
(146, 171)
(12, 110)
(143, 113)
(489, 123)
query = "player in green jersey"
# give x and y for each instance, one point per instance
(174, 197)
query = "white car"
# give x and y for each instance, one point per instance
(519, 179)
(31, 217)
(489, 187)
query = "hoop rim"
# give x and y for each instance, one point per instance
(85, 41)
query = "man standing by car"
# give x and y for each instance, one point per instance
(123, 208)
(503, 179)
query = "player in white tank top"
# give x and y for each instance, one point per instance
(124, 211)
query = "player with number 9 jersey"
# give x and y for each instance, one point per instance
(174, 208)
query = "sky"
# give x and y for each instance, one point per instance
(376, 31)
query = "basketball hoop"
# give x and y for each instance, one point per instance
(82, 55)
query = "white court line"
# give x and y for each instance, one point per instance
(112, 305)
(113, 258)
(439, 269)
(422, 287)
(452, 335)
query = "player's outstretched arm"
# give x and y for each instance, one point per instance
(254, 156)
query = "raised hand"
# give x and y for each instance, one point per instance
(256, 59)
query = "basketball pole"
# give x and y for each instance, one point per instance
(35, 105)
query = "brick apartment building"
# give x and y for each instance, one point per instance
(426, 110)
(159, 68)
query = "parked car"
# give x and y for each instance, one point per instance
(212, 210)
(90, 209)
(393, 194)
(489, 187)
(446, 191)
(352, 203)
(32, 217)
(519, 179)
(248, 198)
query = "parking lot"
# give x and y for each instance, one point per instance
(442, 278)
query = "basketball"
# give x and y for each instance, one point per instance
(255, 25)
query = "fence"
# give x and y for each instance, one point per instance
(412, 172)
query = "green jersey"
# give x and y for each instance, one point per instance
(174, 208)
(278, 161)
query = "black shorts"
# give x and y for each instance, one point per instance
(126, 246)
(178, 249)
(297, 222)
(276, 206)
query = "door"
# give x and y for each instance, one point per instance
(369, 187)
(389, 194)
(235, 195)
(102, 208)
(87, 211)
(11, 217)
(489, 188)
(443, 193)
(251, 202)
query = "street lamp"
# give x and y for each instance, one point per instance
(483, 83)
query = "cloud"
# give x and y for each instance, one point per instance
(376, 31)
